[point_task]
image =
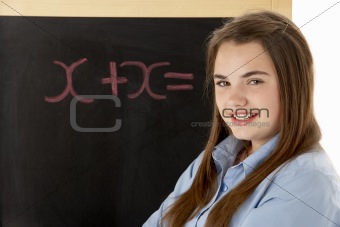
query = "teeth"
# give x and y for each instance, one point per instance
(243, 116)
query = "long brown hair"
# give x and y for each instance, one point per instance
(298, 133)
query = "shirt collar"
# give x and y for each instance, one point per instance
(260, 155)
(226, 151)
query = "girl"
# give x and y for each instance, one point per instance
(263, 164)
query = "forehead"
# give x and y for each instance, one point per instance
(233, 58)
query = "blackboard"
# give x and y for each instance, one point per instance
(60, 169)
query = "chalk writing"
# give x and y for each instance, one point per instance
(146, 77)
(114, 80)
(69, 87)
(183, 76)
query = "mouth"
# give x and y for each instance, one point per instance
(243, 117)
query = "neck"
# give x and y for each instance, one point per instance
(242, 155)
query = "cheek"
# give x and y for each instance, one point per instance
(220, 95)
(222, 108)
(219, 101)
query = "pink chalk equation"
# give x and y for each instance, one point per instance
(114, 80)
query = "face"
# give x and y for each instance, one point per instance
(247, 91)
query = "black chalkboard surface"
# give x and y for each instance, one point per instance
(111, 157)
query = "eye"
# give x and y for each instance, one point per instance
(255, 82)
(222, 83)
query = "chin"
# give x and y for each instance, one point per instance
(246, 134)
(241, 137)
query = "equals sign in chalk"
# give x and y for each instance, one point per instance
(182, 76)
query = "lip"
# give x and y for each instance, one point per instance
(237, 122)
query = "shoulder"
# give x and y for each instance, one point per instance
(311, 176)
(306, 190)
(315, 162)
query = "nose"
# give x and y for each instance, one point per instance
(236, 98)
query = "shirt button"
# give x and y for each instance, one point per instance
(224, 188)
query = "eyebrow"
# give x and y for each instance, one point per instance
(246, 75)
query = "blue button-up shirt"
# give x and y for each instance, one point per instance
(304, 192)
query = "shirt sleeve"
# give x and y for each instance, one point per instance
(302, 198)
(182, 185)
